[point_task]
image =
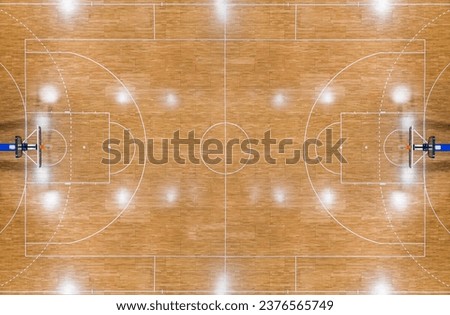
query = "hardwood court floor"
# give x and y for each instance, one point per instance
(87, 71)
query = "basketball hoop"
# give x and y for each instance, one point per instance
(19, 147)
(430, 147)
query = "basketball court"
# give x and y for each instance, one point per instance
(77, 75)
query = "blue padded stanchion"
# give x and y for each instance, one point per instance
(7, 147)
(442, 147)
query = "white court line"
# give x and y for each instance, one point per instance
(435, 214)
(26, 154)
(424, 168)
(425, 192)
(202, 141)
(312, 40)
(68, 183)
(65, 90)
(71, 256)
(418, 160)
(429, 273)
(26, 132)
(25, 211)
(154, 274)
(221, 257)
(31, 134)
(23, 104)
(65, 150)
(154, 22)
(25, 85)
(315, 147)
(340, 41)
(109, 145)
(392, 162)
(306, 132)
(15, 211)
(225, 131)
(342, 147)
(18, 274)
(145, 140)
(73, 113)
(200, 4)
(371, 5)
(295, 23)
(384, 182)
(295, 274)
(425, 109)
(70, 114)
(211, 292)
(134, 151)
(111, 257)
(432, 87)
(384, 148)
(424, 134)
(18, 89)
(384, 113)
(380, 183)
(423, 139)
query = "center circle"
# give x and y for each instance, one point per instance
(221, 148)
